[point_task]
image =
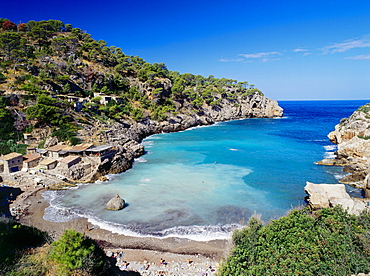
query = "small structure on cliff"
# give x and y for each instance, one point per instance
(115, 204)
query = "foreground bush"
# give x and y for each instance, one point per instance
(76, 254)
(16, 239)
(329, 242)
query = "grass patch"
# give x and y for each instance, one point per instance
(363, 137)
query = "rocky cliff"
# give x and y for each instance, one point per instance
(126, 135)
(352, 135)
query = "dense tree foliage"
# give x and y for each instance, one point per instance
(9, 26)
(48, 63)
(73, 252)
(329, 242)
(26, 251)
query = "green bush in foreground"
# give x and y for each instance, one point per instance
(16, 239)
(74, 253)
(328, 242)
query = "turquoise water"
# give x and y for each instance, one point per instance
(204, 182)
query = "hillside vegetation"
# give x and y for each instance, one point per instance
(44, 63)
(328, 242)
(26, 250)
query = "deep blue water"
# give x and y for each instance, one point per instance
(202, 182)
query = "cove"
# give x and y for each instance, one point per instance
(203, 182)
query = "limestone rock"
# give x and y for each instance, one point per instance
(330, 195)
(76, 172)
(51, 141)
(116, 203)
(331, 162)
(352, 137)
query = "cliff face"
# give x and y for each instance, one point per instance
(352, 136)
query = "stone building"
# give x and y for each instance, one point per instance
(48, 164)
(12, 162)
(57, 151)
(31, 160)
(69, 161)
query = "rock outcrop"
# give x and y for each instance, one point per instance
(330, 195)
(352, 136)
(115, 204)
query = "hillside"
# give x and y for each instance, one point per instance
(60, 85)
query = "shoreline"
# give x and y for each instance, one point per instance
(31, 206)
(140, 249)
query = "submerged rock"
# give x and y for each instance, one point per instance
(115, 204)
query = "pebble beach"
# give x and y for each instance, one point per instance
(138, 255)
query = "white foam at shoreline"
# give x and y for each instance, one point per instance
(141, 160)
(329, 155)
(55, 213)
(196, 232)
(331, 147)
(339, 176)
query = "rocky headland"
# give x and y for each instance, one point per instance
(352, 137)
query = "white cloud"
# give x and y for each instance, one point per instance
(269, 59)
(230, 59)
(263, 56)
(359, 57)
(362, 42)
(260, 55)
(300, 50)
(306, 54)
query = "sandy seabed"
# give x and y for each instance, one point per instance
(142, 254)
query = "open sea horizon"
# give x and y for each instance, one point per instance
(206, 181)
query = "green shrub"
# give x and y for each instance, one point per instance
(42, 143)
(363, 137)
(14, 238)
(65, 132)
(365, 108)
(74, 140)
(329, 242)
(73, 252)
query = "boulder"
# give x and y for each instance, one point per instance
(116, 203)
(50, 141)
(330, 195)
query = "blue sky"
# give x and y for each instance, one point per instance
(290, 49)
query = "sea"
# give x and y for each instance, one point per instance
(204, 182)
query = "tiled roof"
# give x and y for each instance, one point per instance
(47, 161)
(10, 156)
(58, 148)
(30, 157)
(69, 159)
(81, 147)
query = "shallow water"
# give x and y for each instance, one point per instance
(202, 183)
